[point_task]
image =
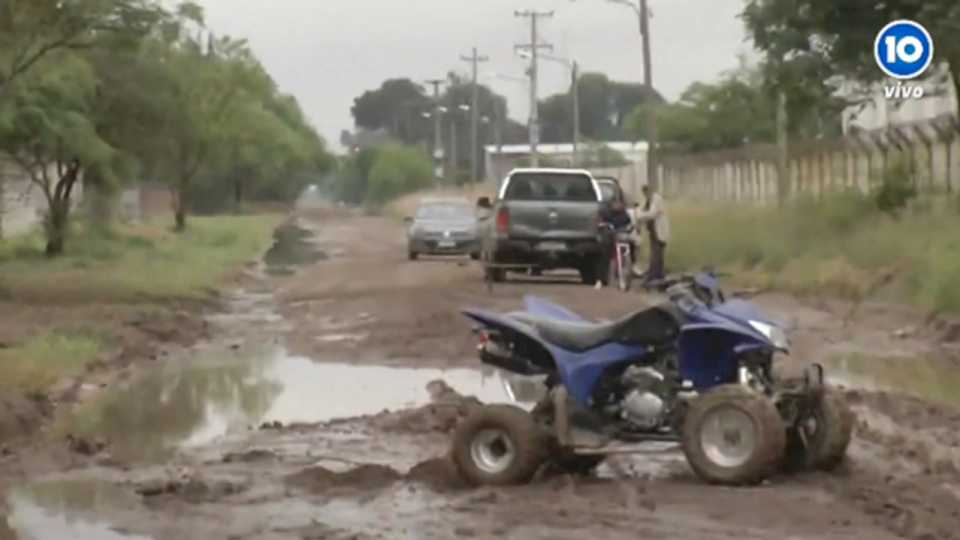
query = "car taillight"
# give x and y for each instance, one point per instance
(503, 220)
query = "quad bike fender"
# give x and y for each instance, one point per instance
(530, 354)
(709, 352)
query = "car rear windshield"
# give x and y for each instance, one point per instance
(550, 187)
(445, 211)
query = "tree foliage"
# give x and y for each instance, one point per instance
(738, 109)
(113, 90)
(605, 106)
(820, 44)
(375, 175)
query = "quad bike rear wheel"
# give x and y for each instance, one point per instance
(498, 445)
(733, 436)
(820, 439)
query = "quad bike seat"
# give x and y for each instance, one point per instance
(654, 326)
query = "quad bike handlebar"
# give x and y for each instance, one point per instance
(702, 286)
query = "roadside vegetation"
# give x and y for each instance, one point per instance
(111, 92)
(34, 366)
(892, 244)
(376, 175)
(107, 95)
(135, 263)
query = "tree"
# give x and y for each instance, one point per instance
(738, 109)
(33, 30)
(827, 43)
(491, 105)
(605, 106)
(50, 134)
(203, 85)
(396, 106)
(397, 170)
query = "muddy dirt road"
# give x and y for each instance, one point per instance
(321, 408)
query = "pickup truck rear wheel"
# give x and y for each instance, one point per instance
(497, 275)
(591, 270)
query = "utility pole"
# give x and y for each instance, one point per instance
(454, 170)
(534, 47)
(437, 140)
(576, 112)
(652, 168)
(783, 165)
(474, 60)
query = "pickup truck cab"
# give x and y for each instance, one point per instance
(542, 219)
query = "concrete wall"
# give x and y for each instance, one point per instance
(22, 204)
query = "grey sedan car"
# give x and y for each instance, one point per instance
(443, 227)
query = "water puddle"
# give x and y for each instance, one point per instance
(65, 510)
(292, 247)
(930, 379)
(219, 393)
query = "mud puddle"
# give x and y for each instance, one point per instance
(292, 247)
(188, 405)
(65, 510)
(925, 378)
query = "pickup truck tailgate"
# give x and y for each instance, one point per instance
(545, 220)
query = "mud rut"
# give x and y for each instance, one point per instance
(384, 474)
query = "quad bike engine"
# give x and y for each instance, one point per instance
(645, 397)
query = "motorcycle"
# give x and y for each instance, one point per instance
(621, 260)
(696, 371)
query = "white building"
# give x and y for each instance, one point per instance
(499, 160)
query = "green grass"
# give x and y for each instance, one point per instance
(37, 364)
(839, 246)
(133, 263)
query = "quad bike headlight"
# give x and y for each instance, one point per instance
(776, 335)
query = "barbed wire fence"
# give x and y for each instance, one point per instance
(859, 161)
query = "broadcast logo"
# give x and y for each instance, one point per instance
(903, 50)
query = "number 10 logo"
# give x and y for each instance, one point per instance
(903, 49)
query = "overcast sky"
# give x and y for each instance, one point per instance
(327, 52)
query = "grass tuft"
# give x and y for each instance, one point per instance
(35, 365)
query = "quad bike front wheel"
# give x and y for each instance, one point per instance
(733, 436)
(498, 445)
(821, 436)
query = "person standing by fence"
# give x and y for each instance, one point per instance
(654, 218)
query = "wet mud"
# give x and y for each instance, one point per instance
(322, 406)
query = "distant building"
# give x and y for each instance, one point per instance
(499, 160)
(363, 139)
(879, 112)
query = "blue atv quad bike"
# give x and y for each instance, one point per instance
(696, 370)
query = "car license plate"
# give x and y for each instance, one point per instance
(551, 246)
(446, 244)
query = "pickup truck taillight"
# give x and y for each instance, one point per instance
(503, 221)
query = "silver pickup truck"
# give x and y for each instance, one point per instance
(542, 219)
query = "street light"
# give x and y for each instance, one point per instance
(575, 90)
